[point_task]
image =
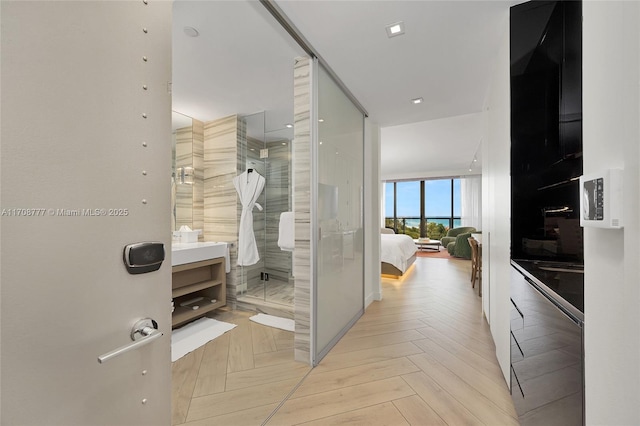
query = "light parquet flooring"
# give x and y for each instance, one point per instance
(238, 378)
(421, 356)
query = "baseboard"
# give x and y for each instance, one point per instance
(371, 298)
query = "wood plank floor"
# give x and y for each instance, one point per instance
(421, 356)
(238, 378)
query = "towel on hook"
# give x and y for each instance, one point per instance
(286, 237)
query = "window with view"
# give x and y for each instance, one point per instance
(424, 208)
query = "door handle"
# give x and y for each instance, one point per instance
(143, 332)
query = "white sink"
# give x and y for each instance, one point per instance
(182, 253)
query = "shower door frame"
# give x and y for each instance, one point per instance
(264, 166)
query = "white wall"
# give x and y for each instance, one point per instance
(372, 213)
(611, 140)
(496, 212)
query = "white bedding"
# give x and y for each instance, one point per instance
(396, 249)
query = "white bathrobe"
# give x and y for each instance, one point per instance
(249, 187)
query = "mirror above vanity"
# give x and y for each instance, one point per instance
(187, 179)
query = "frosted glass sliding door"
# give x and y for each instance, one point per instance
(339, 289)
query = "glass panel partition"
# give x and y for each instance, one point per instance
(279, 284)
(268, 152)
(339, 289)
(250, 145)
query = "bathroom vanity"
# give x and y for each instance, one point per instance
(198, 280)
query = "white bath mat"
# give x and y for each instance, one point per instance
(195, 334)
(271, 321)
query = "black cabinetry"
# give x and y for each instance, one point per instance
(546, 357)
(546, 238)
(546, 130)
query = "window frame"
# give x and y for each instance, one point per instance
(423, 218)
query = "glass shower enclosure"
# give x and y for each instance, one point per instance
(268, 152)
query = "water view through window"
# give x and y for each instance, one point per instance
(440, 202)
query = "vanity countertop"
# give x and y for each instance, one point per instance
(182, 253)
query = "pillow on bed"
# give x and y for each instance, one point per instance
(387, 231)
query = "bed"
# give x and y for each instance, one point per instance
(397, 253)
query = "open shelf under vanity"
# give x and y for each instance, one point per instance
(198, 284)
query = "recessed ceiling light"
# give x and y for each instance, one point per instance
(288, 126)
(417, 100)
(320, 142)
(321, 120)
(191, 32)
(395, 29)
(284, 143)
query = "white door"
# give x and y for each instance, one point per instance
(83, 174)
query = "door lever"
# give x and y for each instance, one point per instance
(143, 332)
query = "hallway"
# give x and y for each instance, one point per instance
(421, 356)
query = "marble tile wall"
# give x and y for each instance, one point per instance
(222, 138)
(302, 208)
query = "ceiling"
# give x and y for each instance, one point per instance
(444, 147)
(242, 63)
